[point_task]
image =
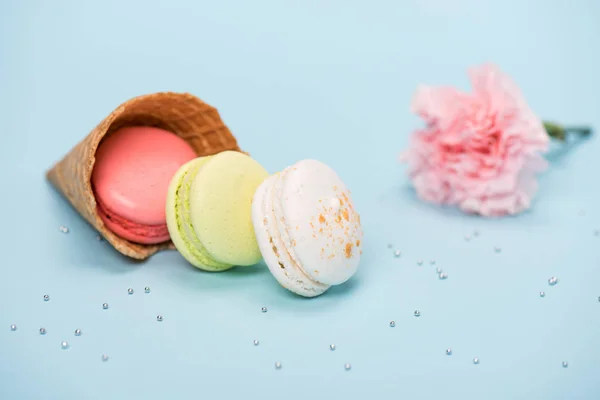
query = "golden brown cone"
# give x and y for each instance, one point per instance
(181, 113)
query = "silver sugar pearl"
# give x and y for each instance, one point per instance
(443, 275)
(565, 364)
(130, 290)
(159, 318)
(42, 331)
(63, 229)
(392, 324)
(542, 294)
(99, 238)
(347, 367)
(497, 249)
(46, 297)
(147, 289)
(104, 357)
(553, 281)
(256, 342)
(64, 345)
(449, 352)
(264, 309)
(476, 360)
(332, 347)
(438, 270)
(77, 332)
(417, 313)
(13, 327)
(432, 262)
(420, 262)
(397, 253)
(105, 306)
(278, 365)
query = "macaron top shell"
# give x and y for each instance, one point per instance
(133, 169)
(321, 223)
(221, 207)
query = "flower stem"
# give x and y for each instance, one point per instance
(560, 132)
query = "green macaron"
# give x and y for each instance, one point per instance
(209, 210)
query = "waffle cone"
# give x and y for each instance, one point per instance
(183, 114)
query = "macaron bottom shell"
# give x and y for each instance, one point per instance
(130, 230)
(277, 255)
(179, 222)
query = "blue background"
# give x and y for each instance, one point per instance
(330, 80)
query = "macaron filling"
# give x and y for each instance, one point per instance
(193, 245)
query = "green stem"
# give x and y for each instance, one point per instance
(560, 132)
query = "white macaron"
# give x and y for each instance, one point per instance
(307, 228)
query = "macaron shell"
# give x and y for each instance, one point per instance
(275, 255)
(321, 221)
(133, 169)
(179, 222)
(221, 207)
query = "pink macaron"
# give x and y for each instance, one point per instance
(131, 176)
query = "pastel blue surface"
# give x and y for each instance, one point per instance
(329, 80)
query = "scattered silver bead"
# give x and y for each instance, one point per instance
(497, 249)
(46, 297)
(63, 229)
(256, 342)
(565, 364)
(542, 294)
(264, 309)
(13, 327)
(130, 290)
(553, 281)
(432, 262)
(443, 275)
(438, 270)
(159, 318)
(105, 306)
(104, 357)
(417, 313)
(420, 262)
(147, 289)
(476, 360)
(347, 367)
(42, 331)
(77, 332)
(392, 324)
(278, 365)
(64, 345)
(332, 347)
(397, 253)
(99, 238)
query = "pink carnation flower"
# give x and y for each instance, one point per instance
(480, 151)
